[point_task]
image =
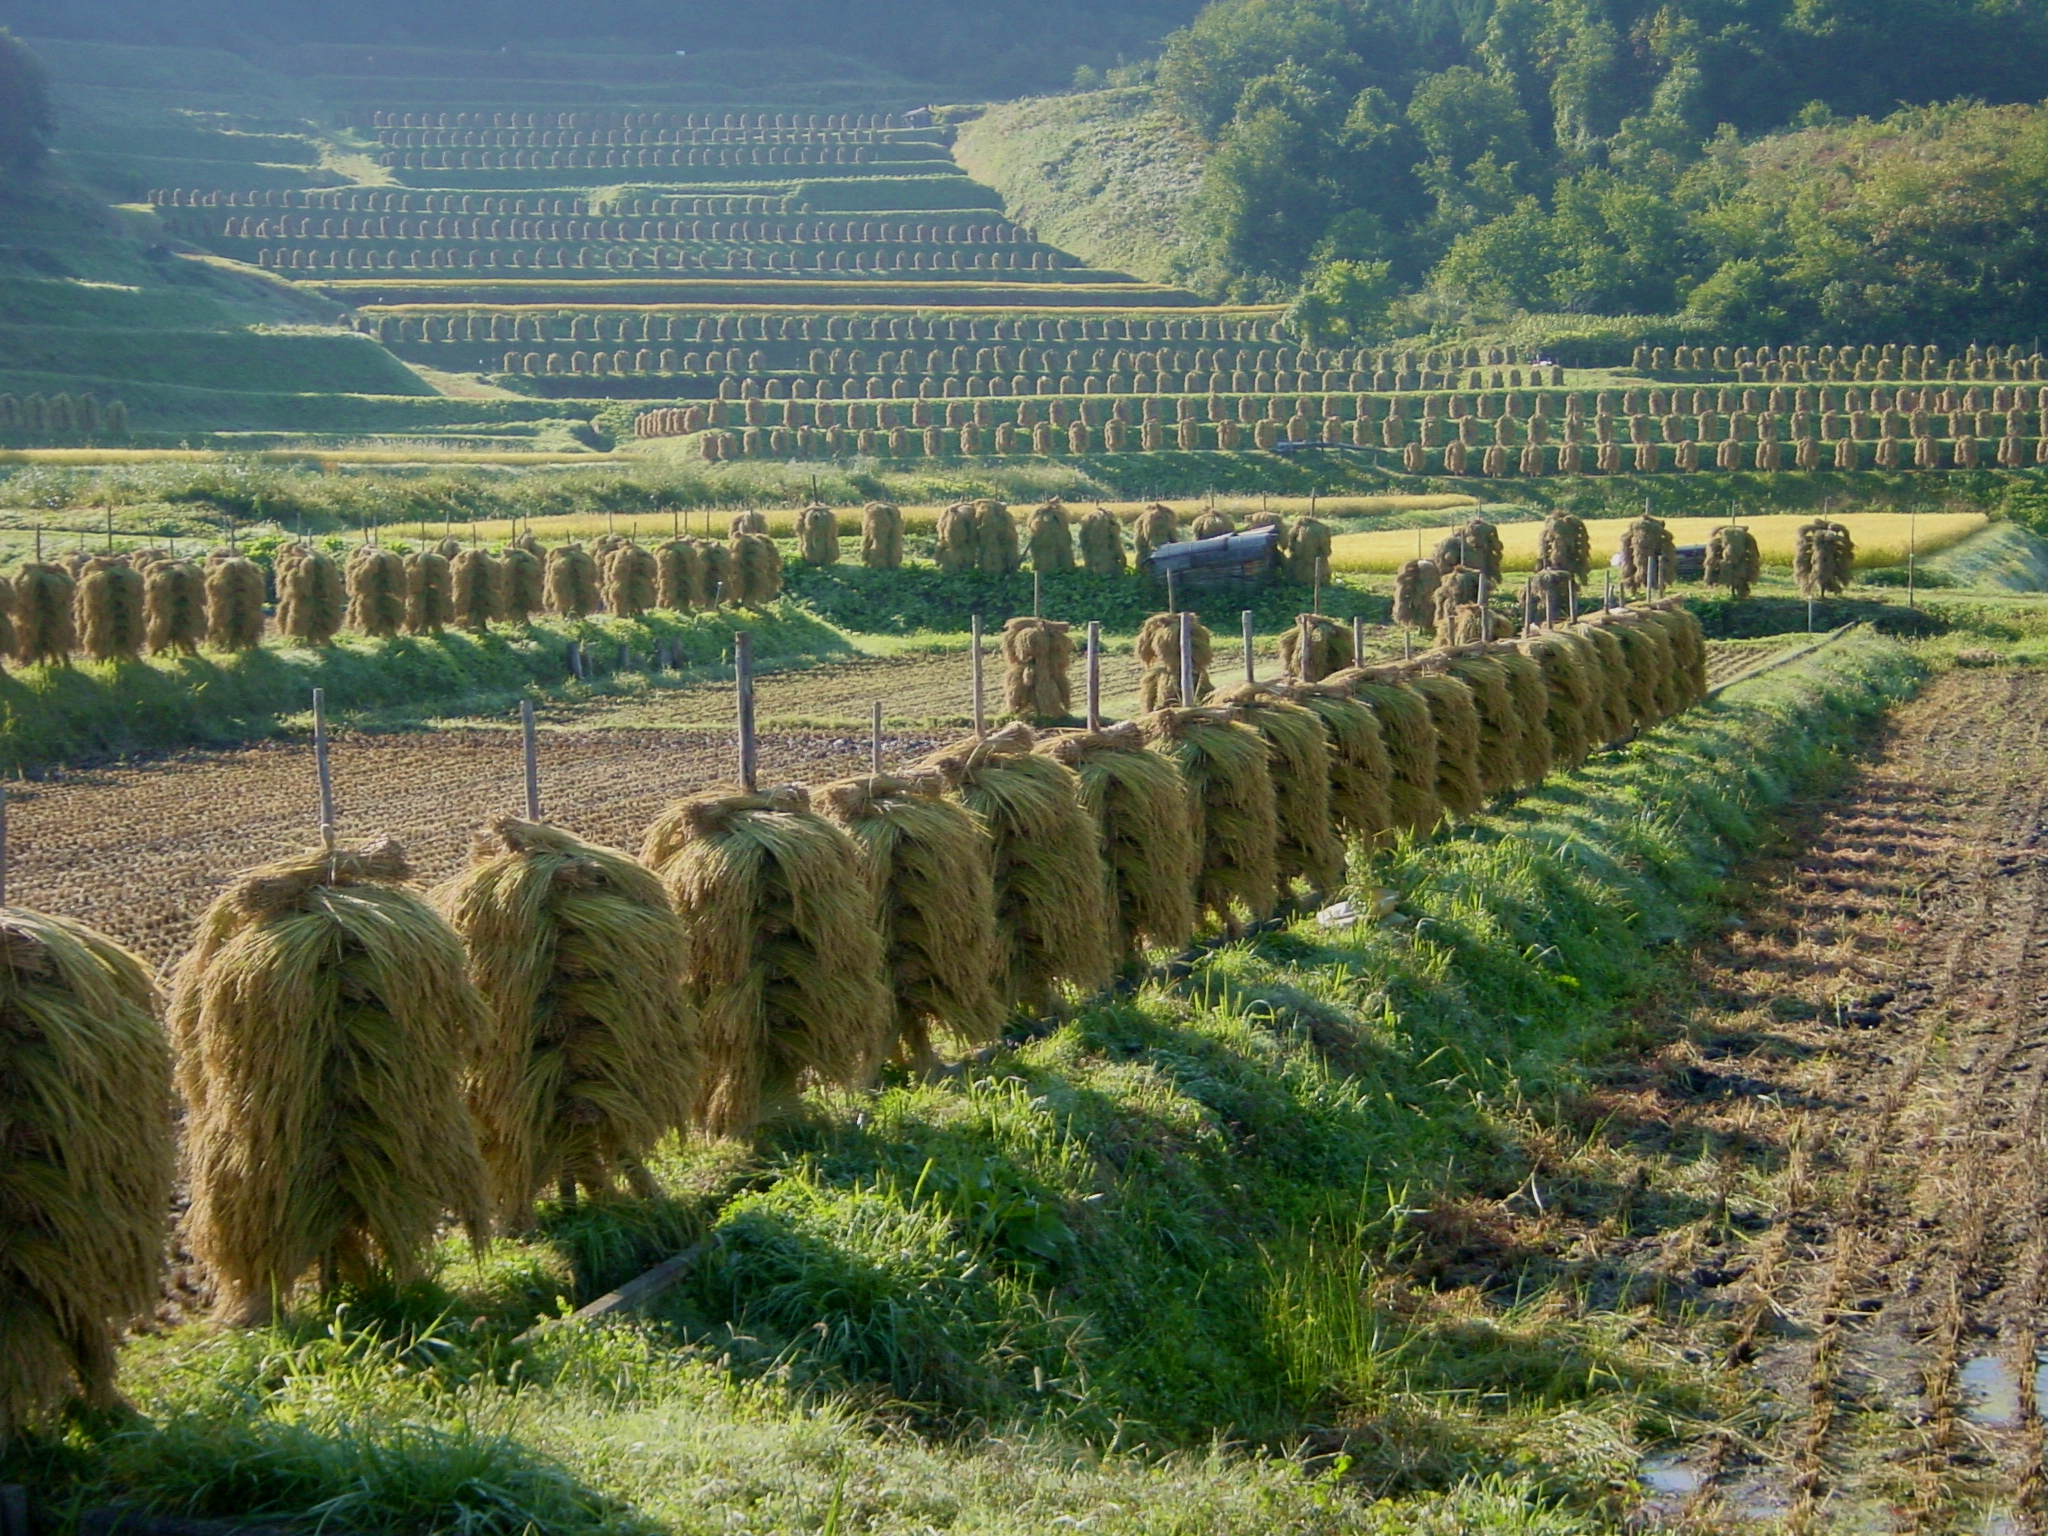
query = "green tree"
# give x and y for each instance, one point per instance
(26, 118)
(1343, 301)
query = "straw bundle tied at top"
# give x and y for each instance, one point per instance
(86, 1162)
(1037, 656)
(312, 598)
(1101, 538)
(429, 593)
(1329, 648)
(571, 582)
(1409, 734)
(1653, 679)
(817, 535)
(1049, 539)
(784, 960)
(1415, 588)
(631, 581)
(1158, 653)
(174, 604)
(1688, 643)
(1224, 764)
(477, 590)
(755, 570)
(1614, 714)
(1529, 701)
(751, 521)
(1456, 718)
(995, 539)
(1306, 846)
(679, 576)
(957, 545)
(376, 591)
(1144, 829)
(1571, 704)
(881, 536)
(322, 1022)
(234, 604)
(109, 604)
(1051, 892)
(1500, 729)
(1360, 772)
(44, 630)
(526, 590)
(590, 1055)
(929, 866)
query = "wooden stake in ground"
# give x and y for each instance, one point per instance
(743, 677)
(1251, 668)
(532, 759)
(980, 706)
(1094, 675)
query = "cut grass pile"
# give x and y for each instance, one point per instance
(1881, 539)
(962, 1303)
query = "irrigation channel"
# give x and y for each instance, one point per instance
(1858, 1098)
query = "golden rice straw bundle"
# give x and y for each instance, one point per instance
(44, 629)
(1408, 731)
(1570, 691)
(1050, 539)
(86, 1163)
(376, 591)
(1361, 773)
(1329, 648)
(1648, 550)
(630, 581)
(589, 1051)
(475, 585)
(312, 597)
(1688, 650)
(571, 582)
(1141, 809)
(1645, 659)
(1415, 587)
(679, 576)
(1614, 714)
(1212, 524)
(957, 546)
(108, 607)
(1224, 764)
(1158, 653)
(1734, 560)
(1823, 559)
(1529, 698)
(1157, 526)
(1307, 552)
(996, 548)
(174, 604)
(1037, 656)
(526, 588)
(1662, 666)
(1052, 919)
(234, 604)
(1455, 715)
(1565, 545)
(8, 640)
(881, 536)
(530, 544)
(746, 522)
(718, 575)
(784, 961)
(429, 593)
(1101, 538)
(817, 535)
(322, 1021)
(930, 870)
(756, 570)
(1500, 729)
(1306, 846)
(449, 548)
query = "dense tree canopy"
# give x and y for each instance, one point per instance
(26, 120)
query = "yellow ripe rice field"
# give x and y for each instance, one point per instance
(1881, 539)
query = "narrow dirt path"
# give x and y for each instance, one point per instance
(1862, 1092)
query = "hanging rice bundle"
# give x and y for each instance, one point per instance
(1688, 644)
(1475, 547)
(784, 961)
(1571, 703)
(1306, 555)
(1645, 659)
(571, 582)
(746, 522)
(1140, 806)
(756, 570)
(429, 593)
(1823, 558)
(1158, 653)
(1102, 543)
(929, 869)
(679, 576)
(312, 598)
(1453, 711)
(1212, 524)
(589, 1051)
(718, 574)
(1262, 520)
(1408, 731)
(322, 1022)
(995, 539)
(1670, 694)
(817, 535)
(1052, 895)
(1224, 765)
(1552, 597)
(86, 1165)
(881, 537)
(1500, 728)
(525, 584)
(1614, 714)
(1037, 656)
(174, 605)
(449, 548)
(8, 639)
(958, 543)
(234, 604)
(1306, 846)
(477, 583)
(1361, 774)
(44, 628)
(1649, 551)
(1329, 648)
(1734, 560)
(1529, 698)
(1415, 589)
(1158, 525)
(1050, 539)
(376, 591)
(1565, 545)
(531, 545)
(631, 581)
(109, 611)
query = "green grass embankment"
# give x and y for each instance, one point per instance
(1040, 1292)
(91, 711)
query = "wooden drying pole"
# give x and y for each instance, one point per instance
(532, 757)
(980, 698)
(1094, 684)
(875, 740)
(1187, 661)
(321, 768)
(743, 676)
(1357, 640)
